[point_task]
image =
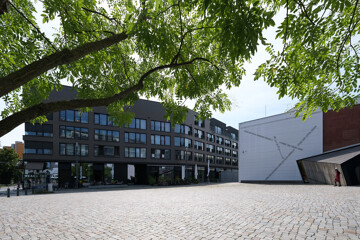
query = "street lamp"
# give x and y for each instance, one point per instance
(77, 164)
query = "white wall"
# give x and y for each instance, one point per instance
(269, 147)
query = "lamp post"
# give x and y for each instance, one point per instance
(77, 164)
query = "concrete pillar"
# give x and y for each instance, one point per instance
(183, 172)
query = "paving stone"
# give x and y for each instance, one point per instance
(215, 211)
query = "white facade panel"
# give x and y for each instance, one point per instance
(269, 147)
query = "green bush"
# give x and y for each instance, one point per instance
(151, 180)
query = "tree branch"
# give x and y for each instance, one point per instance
(9, 123)
(287, 23)
(102, 14)
(18, 78)
(346, 37)
(303, 9)
(37, 29)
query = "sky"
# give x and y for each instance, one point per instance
(251, 100)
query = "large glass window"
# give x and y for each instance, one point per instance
(234, 136)
(62, 115)
(227, 152)
(102, 150)
(131, 152)
(210, 158)
(182, 142)
(161, 153)
(210, 137)
(210, 148)
(198, 145)
(227, 143)
(199, 133)
(220, 160)
(103, 135)
(199, 157)
(131, 137)
(69, 115)
(73, 132)
(199, 122)
(160, 126)
(219, 140)
(218, 130)
(138, 123)
(219, 150)
(103, 119)
(160, 140)
(182, 129)
(106, 135)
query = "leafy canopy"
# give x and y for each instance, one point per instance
(319, 62)
(173, 50)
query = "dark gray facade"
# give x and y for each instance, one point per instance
(149, 141)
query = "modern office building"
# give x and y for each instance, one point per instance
(149, 146)
(285, 148)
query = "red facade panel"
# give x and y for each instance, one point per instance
(341, 128)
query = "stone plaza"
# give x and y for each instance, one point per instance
(206, 211)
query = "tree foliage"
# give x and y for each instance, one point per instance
(8, 165)
(319, 62)
(113, 51)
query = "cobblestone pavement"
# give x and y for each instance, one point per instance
(218, 211)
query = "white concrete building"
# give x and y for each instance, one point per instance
(270, 146)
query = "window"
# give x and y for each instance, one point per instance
(131, 137)
(199, 122)
(103, 119)
(106, 135)
(198, 145)
(102, 150)
(234, 153)
(70, 115)
(182, 142)
(218, 130)
(137, 123)
(161, 154)
(219, 150)
(227, 161)
(160, 126)
(45, 130)
(227, 152)
(234, 145)
(234, 136)
(183, 155)
(219, 140)
(182, 129)
(199, 133)
(30, 150)
(199, 157)
(210, 158)
(227, 143)
(160, 140)
(234, 162)
(38, 147)
(73, 132)
(131, 152)
(210, 137)
(84, 150)
(210, 148)
(220, 160)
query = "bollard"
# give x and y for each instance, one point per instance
(17, 191)
(8, 192)
(25, 191)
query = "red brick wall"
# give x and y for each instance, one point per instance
(341, 128)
